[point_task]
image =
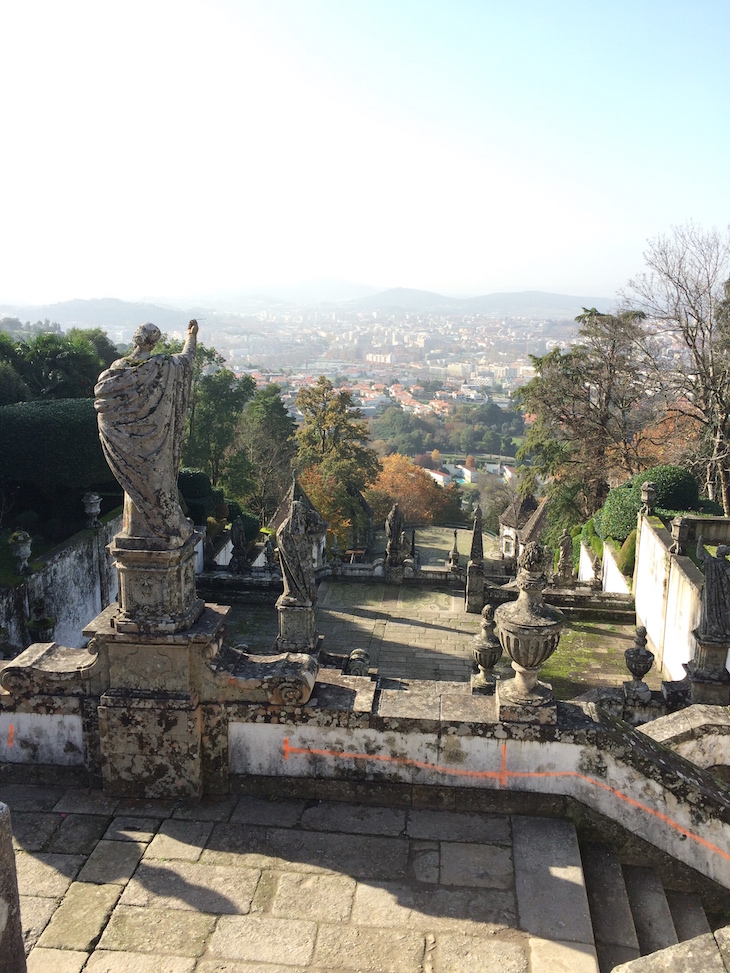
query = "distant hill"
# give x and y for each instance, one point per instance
(538, 304)
(106, 313)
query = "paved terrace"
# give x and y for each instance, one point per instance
(249, 885)
(413, 633)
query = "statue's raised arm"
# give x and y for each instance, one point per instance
(142, 403)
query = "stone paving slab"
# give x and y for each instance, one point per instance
(183, 840)
(478, 866)
(32, 830)
(299, 896)
(33, 797)
(266, 940)
(112, 861)
(157, 931)
(76, 801)
(459, 826)
(35, 914)
(77, 923)
(360, 948)
(56, 961)
(559, 957)
(78, 833)
(44, 875)
(261, 810)
(109, 961)
(459, 953)
(215, 889)
(354, 818)
(132, 829)
(393, 905)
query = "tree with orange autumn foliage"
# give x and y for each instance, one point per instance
(420, 498)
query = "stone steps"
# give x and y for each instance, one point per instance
(637, 923)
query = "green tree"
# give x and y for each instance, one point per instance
(218, 397)
(590, 408)
(334, 435)
(333, 448)
(55, 366)
(260, 467)
(106, 350)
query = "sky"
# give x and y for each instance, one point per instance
(179, 149)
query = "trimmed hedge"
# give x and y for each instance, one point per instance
(627, 555)
(55, 440)
(676, 490)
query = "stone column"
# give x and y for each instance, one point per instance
(12, 952)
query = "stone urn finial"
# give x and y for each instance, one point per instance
(639, 661)
(20, 545)
(92, 509)
(648, 497)
(486, 651)
(529, 631)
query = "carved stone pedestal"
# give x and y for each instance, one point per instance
(156, 587)
(151, 744)
(708, 677)
(394, 573)
(150, 722)
(296, 628)
(474, 601)
(526, 700)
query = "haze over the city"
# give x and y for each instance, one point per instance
(194, 150)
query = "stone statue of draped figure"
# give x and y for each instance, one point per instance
(142, 401)
(715, 621)
(294, 541)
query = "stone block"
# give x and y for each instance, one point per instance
(30, 797)
(32, 830)
(150, 745)
(300, 896)
(699, 955)
(217, 889)
(476, 866)
(160, 932)
(35, 914)
(208, 809)
(480, 911)
(541, 708)
(458, 953)
(112, 862)
(180, 840)
(423, 861)
(56, 960)
(46, 875)
(551, 896)
(354, 819)
(261, 810)
(263, 940)
(560, 957)
(459, 826)
(78, 921)
(78, 834)
(77, 801)
(110, 961)
(132, 829)
(359, 948)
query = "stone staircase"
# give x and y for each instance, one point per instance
(641, 927)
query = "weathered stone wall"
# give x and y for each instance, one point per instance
(75, 583)
(613, 580)
(667, 590)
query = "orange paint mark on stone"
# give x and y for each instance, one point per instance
(11, 735)
(501, 776)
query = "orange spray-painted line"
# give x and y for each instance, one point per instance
(11, 735)
(501, 777)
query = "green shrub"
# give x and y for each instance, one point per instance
(619, 512)
(676, 490)
(194, 484)
(589, 536)
(250, 525)
(627, 555)
(54, 442)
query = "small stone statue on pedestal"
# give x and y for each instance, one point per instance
(239, 559)
(394, 525)
(294, 541)
(708, 675)
(565, 560)
(474, 595)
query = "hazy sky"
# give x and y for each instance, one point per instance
(187, 148)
